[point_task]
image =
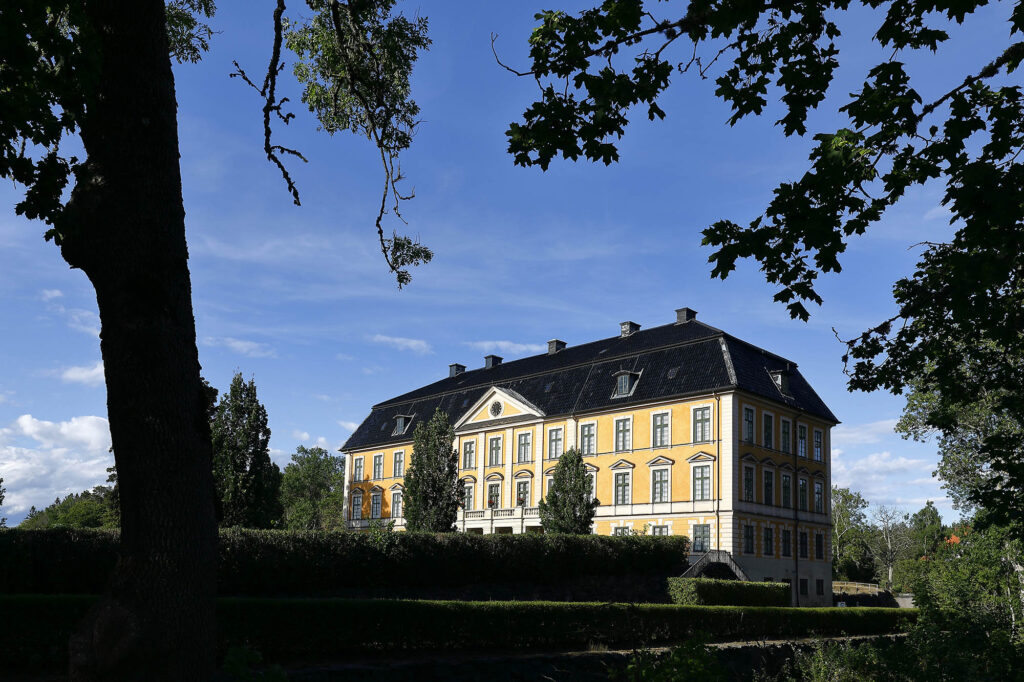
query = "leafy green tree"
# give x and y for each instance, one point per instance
(889, 539)
(570, 504)
(100, 73)
(596, 65)
(926, 531)
(248, 484)
(849, 528)
(432, 491)
(313, 490)
(87, 509)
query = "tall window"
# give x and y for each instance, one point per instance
(357, 505)
(787, 491)
(769, 430)
(748, 539)
(622, 494)
(623, 437)
(399, 468)
(659, 485)
(819, 587)
(493, 495)
(469, 455)
(702, 537)
(769, 542)
(748, 484)
(817, 445)
(588, 439)
(467, 496)
(803, 587)
(522, 493)
(819, 546)
(659, 530)
(494, 456)
(659, 433)
(375, 505)
(748, 424)
(803, 545)
(787, 543)
(622, 384)
(396, 505)
(357, 469)
(378, 466)
(801, 445)
(701, 424)
(786, 440)
(803, 494)
(819, 497)
(769, 487)
(702, 482)
(523, 453)
(554, 443)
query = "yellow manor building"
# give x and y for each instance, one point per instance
(685, 430)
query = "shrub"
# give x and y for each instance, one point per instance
(275, 562)
(709, 592)
(36, 626)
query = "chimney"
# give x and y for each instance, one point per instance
(491, 361)
(627, 328)
(555, 345)
(685, 315)
(455, 369)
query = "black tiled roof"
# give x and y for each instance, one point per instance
(580, 379)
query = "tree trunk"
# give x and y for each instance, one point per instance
(125, 228)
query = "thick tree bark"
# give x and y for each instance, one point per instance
(125, 229)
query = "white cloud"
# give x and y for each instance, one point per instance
(300, 435)
(323, 396)
(938, 212)
(418, 346)
(348, 426)
(84, 321)
(859, 434)
(42, 460)
(50, 294)
(90, 376)
(250, 349)
(507, 347)
(344, 356)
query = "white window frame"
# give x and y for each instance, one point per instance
(548, 480)
(561, 441)
(819, 495)
(376, 504)
(711, 423)
(632, 379)
(629, 434)
(752, 440)
(695, 527)
(469, 447)
(490, 486)
(803, 504)
(490, 451)
(749, 534)
(668, 429)
(356, 509)
(711, 481)
(767, 548)
(581, 440)
(668, 483)
(819, 537)
(523, 482)
(396, 495)
(520, 458)
(661, 530)
(801, 442)
(471, 489)
(767, 418)
(765, 472)
(786, 503)
(786, 548)
(818, 445)
(786, 444)
(399, 456)
(629, 486)
(753, 483)
(358, 470)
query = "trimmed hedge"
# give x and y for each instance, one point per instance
(709, 592)
(310, 563)
(35, 628)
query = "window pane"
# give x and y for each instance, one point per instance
(787, 484)
(587, 440)
(769, 487)
(785, 437)
(622, 435)
(622, 487)
(554, 443)
(396, 505)
(701, 424)
(659, 437)
(748, 424)
(467, 497)
(702, 482)
(659, 482)
(702, 538)
(357, 506)
(468, 455)
(495, 456)
(769, 431)
(748, 484)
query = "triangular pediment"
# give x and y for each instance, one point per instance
(661, 461)
(749, 458)
(787, 466)
(498, 405)
(590, 468)
(701, 457)
(623, 464)
(376, 489)
(766, 462)
(397, 486)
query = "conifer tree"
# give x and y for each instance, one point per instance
(247, 482)
(432, 491)
(569, 507)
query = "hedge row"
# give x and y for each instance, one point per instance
(293, 563)
(710, 592)
(35, 628)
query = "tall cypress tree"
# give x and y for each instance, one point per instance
(247, 482)
(432, 482)
(570, 504)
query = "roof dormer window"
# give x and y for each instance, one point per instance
(625, 383)
(402, 422)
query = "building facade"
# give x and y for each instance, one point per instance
(685, 430)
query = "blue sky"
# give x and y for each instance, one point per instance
(299, 298)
